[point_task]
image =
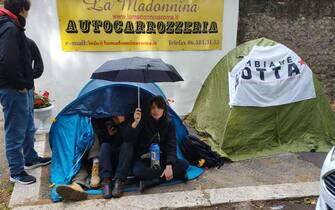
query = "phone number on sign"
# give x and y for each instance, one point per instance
(203, 42)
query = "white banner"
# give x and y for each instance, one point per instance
(270, 76)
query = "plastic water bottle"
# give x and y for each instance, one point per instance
(155, 153)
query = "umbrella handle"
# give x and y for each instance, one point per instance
(138, 97)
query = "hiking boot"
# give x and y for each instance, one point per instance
(118, 188)
(95, 178)
(22, 178)
(145, 184)
(39, 162)
(73, 192)
(107, 188)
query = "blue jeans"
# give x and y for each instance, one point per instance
(19, 128)
(116, 162)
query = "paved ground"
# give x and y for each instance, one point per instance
(285, 168)
(277, 169)
(298, 204)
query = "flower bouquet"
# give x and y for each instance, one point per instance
(41, 100)
(42, 111)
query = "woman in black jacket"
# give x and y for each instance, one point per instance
(170, 167)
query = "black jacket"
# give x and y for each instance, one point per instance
(36, 59)
(167, 131)
(125, 133)
(15, 63)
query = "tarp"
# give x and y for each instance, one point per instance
(247, 132)
(71, 134)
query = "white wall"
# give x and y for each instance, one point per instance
(67, 72)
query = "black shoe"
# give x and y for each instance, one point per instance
(185, 178)
(39, 162)
(145, 184)
(107, 190)
(118, 188)
(22, 178)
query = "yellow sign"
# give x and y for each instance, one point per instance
(140, 25)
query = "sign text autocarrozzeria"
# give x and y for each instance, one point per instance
(115, 25)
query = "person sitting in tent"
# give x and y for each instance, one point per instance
(157, 121)
(117, 152)
(81, 181)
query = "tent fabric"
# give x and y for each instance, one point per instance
(71, 134)
(248, 132)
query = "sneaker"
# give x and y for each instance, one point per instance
(39, 162)
(22, 178)
(95, 178)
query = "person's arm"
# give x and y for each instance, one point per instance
(130, 131)
(37, 58)
(102, 136)
(171, 147)
(171, 151)
(11, 59)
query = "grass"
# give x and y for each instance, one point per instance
(6, 189)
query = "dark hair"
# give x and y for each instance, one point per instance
(160, 103)
(16, 6)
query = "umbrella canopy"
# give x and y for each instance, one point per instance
(137, 69)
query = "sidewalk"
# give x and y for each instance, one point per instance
(269, 178)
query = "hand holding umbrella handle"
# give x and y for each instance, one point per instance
(137, 117)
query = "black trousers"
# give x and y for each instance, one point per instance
(116, 162)
(143, 171)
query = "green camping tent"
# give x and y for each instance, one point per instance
(246, 132)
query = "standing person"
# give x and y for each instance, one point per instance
(117, 152)
(16, 92)
(36, 59)
(157, 122)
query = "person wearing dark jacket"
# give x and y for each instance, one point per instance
(36, 59)
(170, 167)
(16, 92)
(117, 152)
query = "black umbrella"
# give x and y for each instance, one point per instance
(137, 69)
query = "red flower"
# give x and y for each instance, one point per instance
(46, 94)
(39, 102)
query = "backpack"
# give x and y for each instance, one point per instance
(199, 153)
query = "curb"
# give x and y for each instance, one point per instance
(193, 199)
(30, 193)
